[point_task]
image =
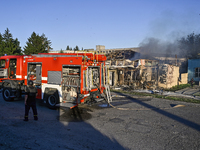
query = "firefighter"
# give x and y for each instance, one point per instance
(192, 82)
(30, 100)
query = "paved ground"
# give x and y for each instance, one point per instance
(138, 123)
(190, 91)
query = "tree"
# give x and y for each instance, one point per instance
(76, 48)
(61, 51)
(37, 44)
(8, 45)
(7, 35)
(67, 47)
(46, 42)
(17, 47)
(2, 45)
(190, 45)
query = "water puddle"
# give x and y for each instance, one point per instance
(74, 115)
(104, 105)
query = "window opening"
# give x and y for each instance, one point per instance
(2, 63)
(197, 72)
(12, 68)
(35, 73)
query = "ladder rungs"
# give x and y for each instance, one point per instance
(108, 95)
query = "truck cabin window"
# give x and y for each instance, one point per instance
(12, 68)
(2, 63)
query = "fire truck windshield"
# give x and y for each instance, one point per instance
(2, 63)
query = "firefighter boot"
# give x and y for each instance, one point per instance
(25, 118)
(35, 117)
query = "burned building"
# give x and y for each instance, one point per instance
(168, 76)
(120, 67)
(122, 70)
(143, 73)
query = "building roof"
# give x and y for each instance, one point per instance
(117, 55)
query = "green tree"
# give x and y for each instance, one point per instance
(67, 47)
(17, 47)
(2, 45)
(7, 35)
(8, 45)
(76, 48)
(46, 42)
(37, 44)
(61, 51)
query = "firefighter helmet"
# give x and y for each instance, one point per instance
(30, 82)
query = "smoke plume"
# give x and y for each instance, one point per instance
(152, 47)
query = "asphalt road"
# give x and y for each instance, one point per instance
(138, 123)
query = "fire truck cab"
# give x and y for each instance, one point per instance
(62, 79)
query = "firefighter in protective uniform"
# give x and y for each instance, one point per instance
(30, 100)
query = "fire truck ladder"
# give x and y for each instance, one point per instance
(105, 95)
(108, 95)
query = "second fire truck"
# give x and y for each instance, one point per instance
(65, 79)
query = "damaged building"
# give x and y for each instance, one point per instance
(120, 67)
(152, 73)
(122, 70)
(168, 76)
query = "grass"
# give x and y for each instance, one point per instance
(175, 98)
(189, 100)
(196, 94)
(178, 87)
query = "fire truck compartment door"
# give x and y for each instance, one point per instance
(54, 77)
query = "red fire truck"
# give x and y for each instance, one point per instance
(64, 79)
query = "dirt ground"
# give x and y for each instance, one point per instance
(140, 123)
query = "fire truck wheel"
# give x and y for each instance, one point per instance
(7, 94)
(51, 101)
